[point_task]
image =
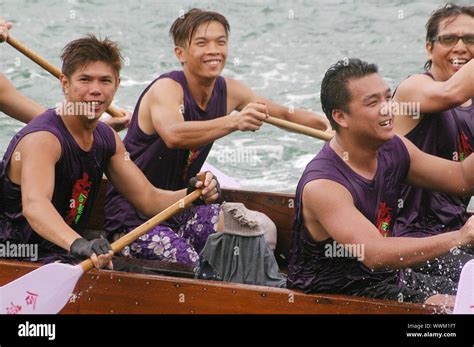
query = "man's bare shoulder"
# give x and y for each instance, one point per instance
(322, 190)
(325, 197)
(5, 85)
(40, 142)
(164, 89)
(325, 202)
(412, 83)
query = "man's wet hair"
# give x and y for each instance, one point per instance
(184, 27)
(335, 94)
(80, 52)
(451, 11)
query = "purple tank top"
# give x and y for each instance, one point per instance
(165, 168)
(310, 269)
(449, 135)
(77, 180)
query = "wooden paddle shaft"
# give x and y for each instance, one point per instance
(178, 206)
(47, 66)
(128, 238)
(298, 128)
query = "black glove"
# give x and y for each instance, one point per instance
(83, 249)
(192, 188)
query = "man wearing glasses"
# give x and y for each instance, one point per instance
(444, 127)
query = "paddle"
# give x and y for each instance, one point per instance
(302, 129)
(47, 66)
(465, 293)
(47, 289)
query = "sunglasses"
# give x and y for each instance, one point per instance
(451, 40)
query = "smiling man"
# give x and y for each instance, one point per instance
(51, 172)
(349, 195)
(444, 95)
(175, 122)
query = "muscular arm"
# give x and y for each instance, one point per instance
(434, 173)
(38, 153)
(243, 95)
(435, 96)
(127, 178)
(329, 211)
(15, 104)
(165, 99)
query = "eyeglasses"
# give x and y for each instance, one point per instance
(451, 40)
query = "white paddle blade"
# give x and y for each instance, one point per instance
(224, 180)
(45, 290)
(465, 295)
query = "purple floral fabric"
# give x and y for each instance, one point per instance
(177, 246)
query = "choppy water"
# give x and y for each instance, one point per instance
(279, 48)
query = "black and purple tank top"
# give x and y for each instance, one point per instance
(448, 135)
(165, 168)
(78, 175)
(310, 268)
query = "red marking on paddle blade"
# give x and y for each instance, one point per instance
(13, 309)
(31, 299)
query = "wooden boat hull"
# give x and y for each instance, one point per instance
(101, 291)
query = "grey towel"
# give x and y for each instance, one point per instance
(239, 259)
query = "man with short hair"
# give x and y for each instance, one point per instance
(175, 122)
(349, 194)
(51, 172)
(444, 96)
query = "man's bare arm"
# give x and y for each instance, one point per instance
(438, 174)
(435, 96)
(15, 104)
(243, 95)
(12, 102)
(33, 167)
(37, 154)
(165, 101)
(127, 178)
(329, 211)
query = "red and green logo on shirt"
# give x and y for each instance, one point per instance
(464, 147)
(383, 219)
(193, 154)
(80, 193)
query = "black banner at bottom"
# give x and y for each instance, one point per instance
(209, 329)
